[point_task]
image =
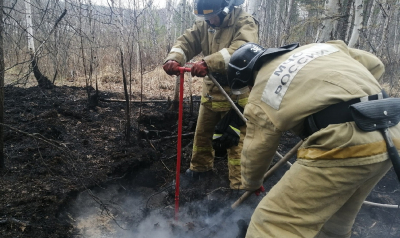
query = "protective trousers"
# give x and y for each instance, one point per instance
(203, 152)
(315, 201)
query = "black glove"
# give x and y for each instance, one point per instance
(227, 131)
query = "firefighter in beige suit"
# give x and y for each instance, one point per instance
(216, 36)
(337, 165)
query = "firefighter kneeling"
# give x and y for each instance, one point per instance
(308, 90)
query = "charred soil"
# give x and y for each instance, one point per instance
(59, 150)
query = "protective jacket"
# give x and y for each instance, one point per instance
(217, 45)
(302, 82)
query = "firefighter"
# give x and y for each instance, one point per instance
(308, 90)
(220, 30)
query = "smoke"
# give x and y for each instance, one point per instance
(121, 214)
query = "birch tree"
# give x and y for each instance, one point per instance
(358, 20)
(325, 31)
(253, 5)
(396, 48)
(42, 80)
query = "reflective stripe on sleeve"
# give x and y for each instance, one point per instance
(226, 56)
(235, 130)
(180, 51)
(216, 136)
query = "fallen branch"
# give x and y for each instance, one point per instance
(14, 221)
(173, 137)
(138, 101)
(40, 137)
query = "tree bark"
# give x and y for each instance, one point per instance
(327, 27)
(387, 15)
(2, 69)
(358, 20)
(169, 24)
(344, 21)
(127, 112)
(253, 5)
(287, 23)
(396, 48)
(175, 101)
(43, 81)
(278, 23)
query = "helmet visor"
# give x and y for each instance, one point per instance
(207, 14)
(208, 9)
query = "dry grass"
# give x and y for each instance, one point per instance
(156, 83)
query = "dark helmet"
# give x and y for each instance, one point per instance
(248, 58)
(210, 8)
(241, 65)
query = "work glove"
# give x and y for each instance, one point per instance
(171, 67)
(227, 131)
(199, 69)
(260, 190)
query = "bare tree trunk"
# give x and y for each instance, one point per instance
(29, 29)
(127, 113)
(278, 23)
(325, 32)
(358, 20)
(93, 99)
(344, 21)
(287, 22)
(169, 24)
(351, 22)
(386, 14)
(124, 80)
(378, 22)
(175, 101)
(2, 69)
(253, 5)
(371, 16)
(183, 13)
(396, 45)
(87, 78)
(43, 81)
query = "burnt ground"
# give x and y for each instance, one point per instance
(71, 173)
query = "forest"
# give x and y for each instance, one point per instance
(88, 119)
